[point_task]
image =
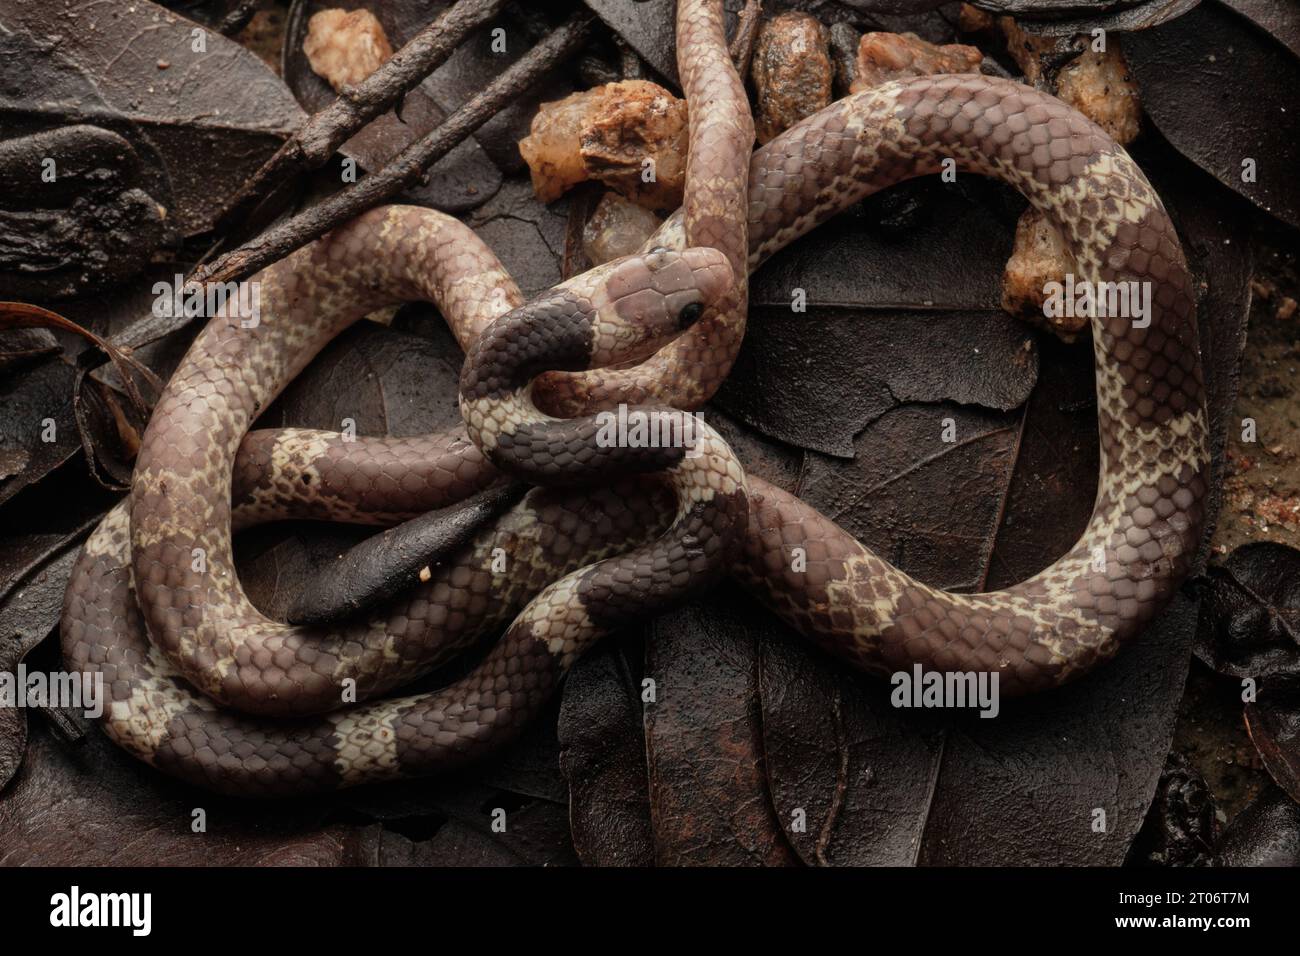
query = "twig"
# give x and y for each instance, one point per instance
(630, 65)
(324, 132)
(742, 44)
(582, 202)
(408, 168)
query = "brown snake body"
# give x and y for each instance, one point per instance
(1137, 547)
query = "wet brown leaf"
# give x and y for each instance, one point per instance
(385, 382)
(95, 806)
(108, 430)
(528, 238)
(210, 117)
(1181, 827)
(74, 212)
(854, 773)
(818, 380)
(1266, 833)
(29, 610)
(709, 800)
(1200, 78)
(1279, 20)
(1273, 720)
(22, 348)
(38, 430)
(1069, 17)
(922, 245)
(602, 754)
(1250, 616)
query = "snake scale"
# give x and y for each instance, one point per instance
(205, 688)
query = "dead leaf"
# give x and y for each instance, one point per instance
(1200, 77)
(211, 118)
(1266, 833)
(602, 754)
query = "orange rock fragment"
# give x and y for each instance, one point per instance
(1038, 257)
(1027, 49)
(345, 46)
(1097, 82)
(883, 57)
(972, 19)
(553, 146)
(629, 135)
(1100, 86)
(792, 72)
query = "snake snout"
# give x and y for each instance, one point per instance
(711, 272)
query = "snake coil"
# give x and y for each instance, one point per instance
(191, 700)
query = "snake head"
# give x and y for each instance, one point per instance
(642, 302)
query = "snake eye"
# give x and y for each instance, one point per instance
(689, 315)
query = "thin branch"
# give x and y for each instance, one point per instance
(742, 44)
(408, 168)
(322, 134)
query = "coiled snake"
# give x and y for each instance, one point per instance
(174, 543)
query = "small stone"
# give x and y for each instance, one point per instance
(629, 135)
(844, 56)
(1039, 256)
(617, 227)
(884, 57)
(792, 72)
(345, 46)
(553, 147)
(1100, 87)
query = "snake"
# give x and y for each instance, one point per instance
(245, 719)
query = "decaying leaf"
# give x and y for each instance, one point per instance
(1266, 833)
(1250, 618)
(1200, 77)
(73, 211)
(1180, 829)
(603, 757)
(1273, 720)
(1069, 17)
(709, 800)
(203, 108)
